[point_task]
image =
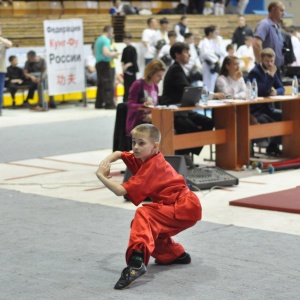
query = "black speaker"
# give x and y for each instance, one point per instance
(176, 161)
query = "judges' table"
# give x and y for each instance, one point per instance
(233, 132)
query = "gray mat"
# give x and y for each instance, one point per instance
(40, 140)
(59, 249)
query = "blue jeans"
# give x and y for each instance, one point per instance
(2, 80)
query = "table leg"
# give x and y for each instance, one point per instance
(226, 154)
(291, 142)
(164, 120)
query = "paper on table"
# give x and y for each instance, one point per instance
(283, 97)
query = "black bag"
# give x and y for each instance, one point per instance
(160, 44)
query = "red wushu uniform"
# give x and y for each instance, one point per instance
(174, 208)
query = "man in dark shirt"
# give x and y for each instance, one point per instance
(241, 32)
(174, 83)
(129, 65)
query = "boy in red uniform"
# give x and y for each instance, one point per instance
(174, 208)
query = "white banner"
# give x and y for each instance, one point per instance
(64, 56)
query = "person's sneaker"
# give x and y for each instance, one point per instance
(183, 259)
(128, 275)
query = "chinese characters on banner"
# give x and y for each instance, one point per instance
(64, 56)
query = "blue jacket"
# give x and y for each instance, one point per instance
(265, 82)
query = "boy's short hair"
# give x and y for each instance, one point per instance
(178, 47)
(172, 33)
(164, 21)
(149, 129)
(209, 29)
(11, 58)
(187, 35)
(229, 47)
(267, 52)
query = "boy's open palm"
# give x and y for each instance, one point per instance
(104, 169)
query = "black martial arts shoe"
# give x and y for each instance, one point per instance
(183, 259)
(129, 275)
(273, 150)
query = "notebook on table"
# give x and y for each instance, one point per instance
(191, 96)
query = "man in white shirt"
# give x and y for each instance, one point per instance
(164, 53)
(246, 54)
(162, 33)
(149, 38)
(210, 54)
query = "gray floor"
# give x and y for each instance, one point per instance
(54, 248)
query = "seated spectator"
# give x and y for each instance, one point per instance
(14, 77)
(181, 28)
(34, 72)
(230, 50)
(90, 68)
(129, 64)
(117, 8)
(246, 54)
(230, 81)
(144, 92)
(269, 84)
(4, 44)
(173, 87)
(9, 1)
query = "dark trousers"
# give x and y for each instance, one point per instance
(128, 81)
(104, 85)
(192, 122)
(269, 117)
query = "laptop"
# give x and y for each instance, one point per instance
(292, 71)
(191, 96)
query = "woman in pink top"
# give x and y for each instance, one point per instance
(144, 92)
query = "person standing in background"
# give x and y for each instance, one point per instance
(210, 57)
(267, 34)
(4, 44)
(104, 55)
(129, 64)
(117, 8)
(149, 38)
(241, 32)
(181, 28)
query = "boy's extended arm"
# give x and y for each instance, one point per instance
(103, 174)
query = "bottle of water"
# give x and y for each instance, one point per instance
(295, 86)
(204, 94)
(254, 89)
(248, 90)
